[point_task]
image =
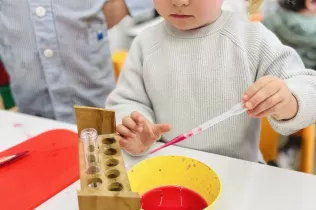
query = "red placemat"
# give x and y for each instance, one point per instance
(51, 165)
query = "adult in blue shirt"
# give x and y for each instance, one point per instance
(57, 52)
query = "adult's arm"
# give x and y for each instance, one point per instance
(116, 10)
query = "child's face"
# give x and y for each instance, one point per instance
(311, 6)
(189, 14)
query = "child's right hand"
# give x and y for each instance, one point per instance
(138, 134)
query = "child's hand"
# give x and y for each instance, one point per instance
(137, 134)
(270, 96)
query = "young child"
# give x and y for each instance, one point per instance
(295, 25)
(197, 64)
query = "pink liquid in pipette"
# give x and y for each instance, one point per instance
(173, 141)
(176, 140)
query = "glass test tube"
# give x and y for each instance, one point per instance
(89, 138)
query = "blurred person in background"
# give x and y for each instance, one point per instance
(57, 52)
(269, 7)
(295, 25)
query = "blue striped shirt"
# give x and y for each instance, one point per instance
(57, 54)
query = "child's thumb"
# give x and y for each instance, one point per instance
(161, 129)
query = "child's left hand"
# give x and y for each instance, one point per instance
(270, 95)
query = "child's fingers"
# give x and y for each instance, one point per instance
(160, 129)
(260, 83)
(163, 128)
(262, 95)
(269, 104)
(137, 117)
(125, 132)
(123, 142)
(130, 124)
(270, 111)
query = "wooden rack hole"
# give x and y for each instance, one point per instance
(93, 170)
(110, 151)
(91, 148)
(112, 162)
(91, 158)
(116, 186)
(108, 141)
(112, 174)
(94, 183)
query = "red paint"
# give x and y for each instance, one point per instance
(19, 125)
(173, 141)
(190, 134)
(172, 198)
(178, 139)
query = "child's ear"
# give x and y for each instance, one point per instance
(311, 5)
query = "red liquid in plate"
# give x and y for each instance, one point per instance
(172, 198)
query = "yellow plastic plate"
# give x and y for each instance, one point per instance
(179, 171)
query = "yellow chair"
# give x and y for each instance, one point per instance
(269, 145)
(268, 141)
(118, 59)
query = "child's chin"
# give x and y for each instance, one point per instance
(184, 27)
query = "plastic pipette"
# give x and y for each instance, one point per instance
(235, 110)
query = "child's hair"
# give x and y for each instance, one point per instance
(293, 5)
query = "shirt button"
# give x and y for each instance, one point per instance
(48, 53)
(40, 11)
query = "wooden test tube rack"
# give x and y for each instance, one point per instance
(107, 188)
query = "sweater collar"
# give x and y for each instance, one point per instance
(199, 32)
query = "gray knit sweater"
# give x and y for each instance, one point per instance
(188, 77)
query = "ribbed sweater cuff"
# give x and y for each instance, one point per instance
(305, 104)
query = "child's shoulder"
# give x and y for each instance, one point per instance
(246, 34)
(151, 35)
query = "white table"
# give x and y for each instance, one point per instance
(245, 185)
